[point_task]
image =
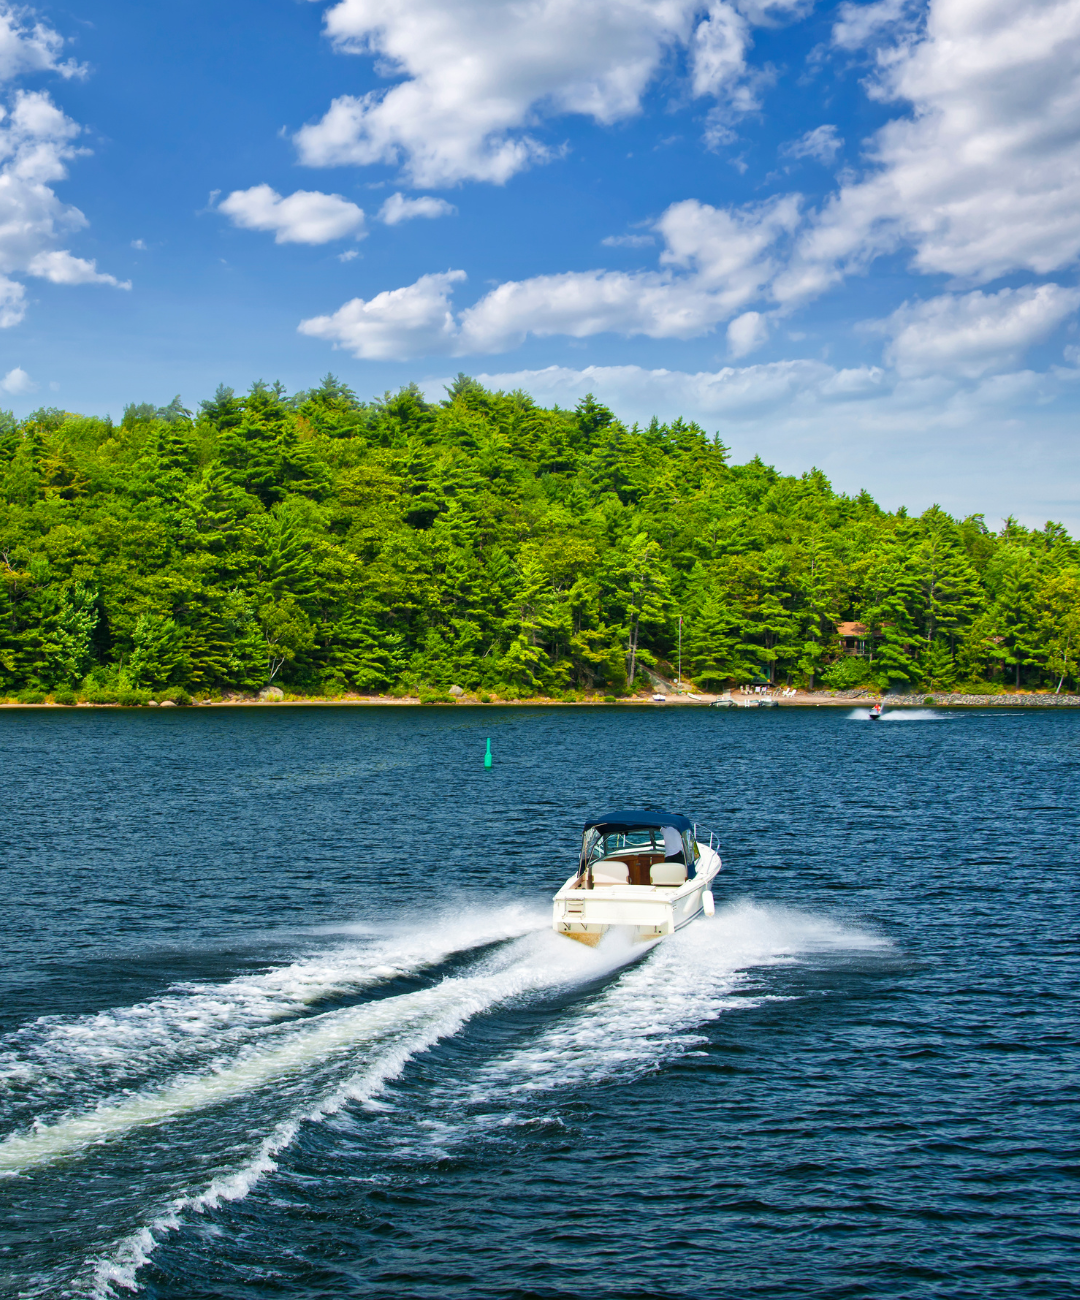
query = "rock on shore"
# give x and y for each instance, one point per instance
(944, 698)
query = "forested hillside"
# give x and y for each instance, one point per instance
(329, 545)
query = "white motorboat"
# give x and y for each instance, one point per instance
(639, 868)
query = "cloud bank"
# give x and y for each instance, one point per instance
(27, 46)
(977, 178)
(798, 414)
(971, 335)
(476, 76)
(37, 141)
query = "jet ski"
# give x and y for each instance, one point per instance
(876, 712)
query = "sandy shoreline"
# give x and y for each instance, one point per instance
(801, 699)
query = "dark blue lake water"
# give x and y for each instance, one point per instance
(282, 1014)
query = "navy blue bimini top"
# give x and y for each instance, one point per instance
(628, 819)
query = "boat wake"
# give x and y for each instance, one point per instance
(902, 715)
(231, 1073)
(641, 1019)
(68, 1060)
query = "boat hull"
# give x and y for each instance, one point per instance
(591, 933)
(648, 913)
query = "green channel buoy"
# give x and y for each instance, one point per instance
(487, 756)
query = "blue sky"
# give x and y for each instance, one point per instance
(841, 235)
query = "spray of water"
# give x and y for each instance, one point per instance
(393, 1031)
(73, 1059)
(648, 1015)
(643, 1017)
(900, 715)
(375, 1029)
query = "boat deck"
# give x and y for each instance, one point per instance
(638, 865)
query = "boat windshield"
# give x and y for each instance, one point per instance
(661, 843)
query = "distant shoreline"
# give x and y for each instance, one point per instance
(802, 699)
(946, 700)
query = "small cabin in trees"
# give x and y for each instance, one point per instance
(855, 638)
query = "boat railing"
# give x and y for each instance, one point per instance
(700, 830)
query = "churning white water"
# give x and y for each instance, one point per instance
(635, 1021)
(900, 715)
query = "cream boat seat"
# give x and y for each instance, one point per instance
(668, 873)
(610, 872)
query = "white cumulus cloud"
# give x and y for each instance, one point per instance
(12, 302)
(981, 178)
(476, 75)
(395, 325)
(718, 49)
(822, 143)
(747, 333)
(581, 303)
(860, 25)
(305, 217)
(62, 267)
(17, 382)
(37, 141)
(972, 334)
(27, 45)
(398, 208)
(36, 144)
(731, 250)
(713, 264)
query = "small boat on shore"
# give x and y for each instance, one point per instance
(639, 868)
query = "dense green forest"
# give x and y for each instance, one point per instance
(334, 545)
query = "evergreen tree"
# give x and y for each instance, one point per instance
(331, 543)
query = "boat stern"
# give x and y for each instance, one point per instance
(649, 913)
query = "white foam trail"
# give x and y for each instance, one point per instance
(433, 1013)
(901, 715)
(194, 1017)
(128, 1256)
(637, 1022)
(642, 1018)
(542, 961)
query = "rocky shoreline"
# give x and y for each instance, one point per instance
(801, 699)
(941, 699)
